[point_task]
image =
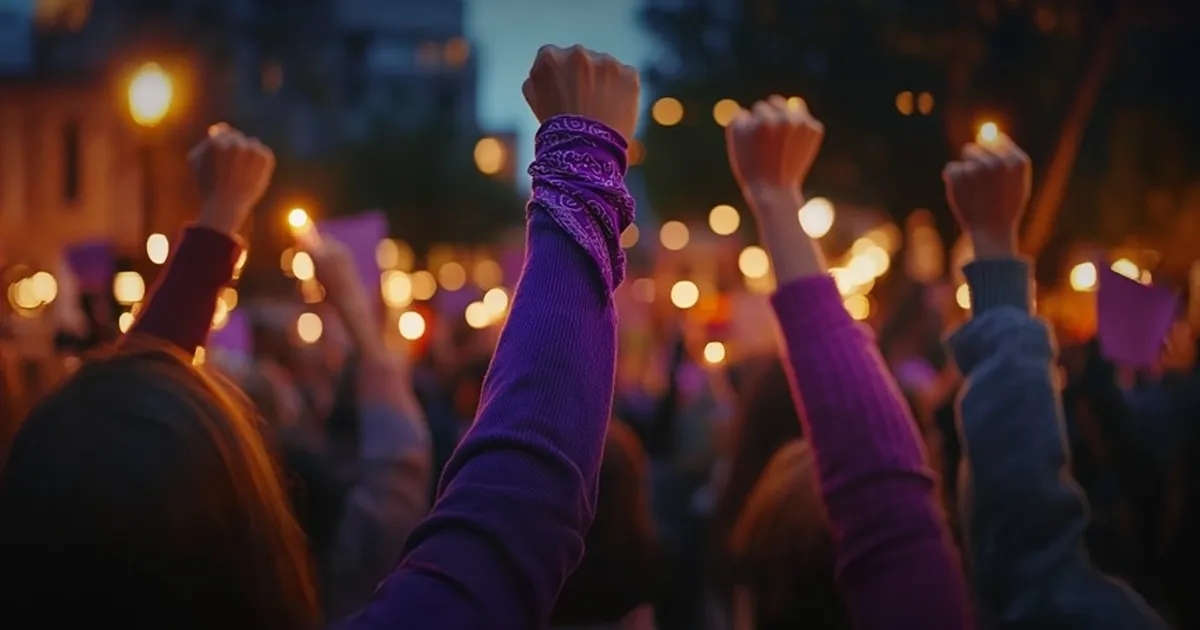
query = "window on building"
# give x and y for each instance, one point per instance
(457, 52)
(72, 155)
(71, 15)
(272, 77)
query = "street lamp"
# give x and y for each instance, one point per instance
(150, 93)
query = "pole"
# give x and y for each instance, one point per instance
(146, 157)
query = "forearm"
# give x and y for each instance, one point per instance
(793, 254)
(1025, 516)
(519, 493)
(893, 548)
(180, 308)
(388, 500)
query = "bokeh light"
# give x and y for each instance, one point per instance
(725, 110)
(1127, 268)
(397, 288)
(667, 111)
(309, 327)
(630, 236)
(452, 276)
(714, 352)
(859, 306)
(158, 248)
(753, 262)
(816, 217)
(477, 315)
(962, 297)
(685, 294)
(303, 267)
(674, 235)
(129, 287)
(424, 285)
(724, 220)
(489, 156)
(411, 325)
(1083, 277)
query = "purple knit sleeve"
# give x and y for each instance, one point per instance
(180, 307)
(579, 180)
(896, 566)
(519, 494)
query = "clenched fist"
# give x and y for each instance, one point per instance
(987, 191)
(584, 83)
(233, 172)
(773, 145)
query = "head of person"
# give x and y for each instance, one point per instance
(766, 419)
(782, 548)
(620, 567)
(142, 492)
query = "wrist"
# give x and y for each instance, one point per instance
(220, 218)
(773, 198)
(990, 244)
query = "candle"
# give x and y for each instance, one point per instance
(989, 134)
(303, 229)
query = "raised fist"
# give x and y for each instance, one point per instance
(233, 172)
(987, 191)
(773, 145)
(578, 81)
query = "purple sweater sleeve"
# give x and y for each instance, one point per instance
(896, 566)
(180, 307)
(519, 493)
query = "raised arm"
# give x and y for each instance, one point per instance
(1025, 516)
(518, 495)
(896, 566)
(390, 494)
(233, 172)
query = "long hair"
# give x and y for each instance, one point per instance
(766, 420)
(620, 565)
(782, 546)
(142, 493)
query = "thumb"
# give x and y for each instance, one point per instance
(530, 95)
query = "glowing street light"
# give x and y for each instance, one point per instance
(150, 95)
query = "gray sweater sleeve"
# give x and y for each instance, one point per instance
(388, 499)
(1024, 515)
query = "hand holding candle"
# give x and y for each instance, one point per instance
(303, 229)
(989, 134)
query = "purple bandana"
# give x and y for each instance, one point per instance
(595, 207)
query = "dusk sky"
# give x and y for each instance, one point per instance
(507, 34)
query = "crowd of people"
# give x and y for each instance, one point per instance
(149, 490)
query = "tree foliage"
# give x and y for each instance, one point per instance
(1018, 62)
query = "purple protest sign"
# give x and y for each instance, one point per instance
(361, 234)
(94, 265)
(234, 337)
(1133, 319)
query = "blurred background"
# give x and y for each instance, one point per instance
(412, 108)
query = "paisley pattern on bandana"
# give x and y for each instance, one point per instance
(578, 176)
